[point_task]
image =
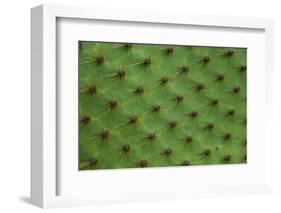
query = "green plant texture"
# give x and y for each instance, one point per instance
(150, 105)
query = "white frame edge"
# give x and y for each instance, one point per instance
(43, 85)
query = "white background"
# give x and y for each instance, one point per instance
(15, 105)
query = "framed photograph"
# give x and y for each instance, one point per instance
(129, 106)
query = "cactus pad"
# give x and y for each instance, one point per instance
(150, 105)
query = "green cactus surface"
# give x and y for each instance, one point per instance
(152, 105)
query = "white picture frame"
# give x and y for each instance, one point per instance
(46, 159)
